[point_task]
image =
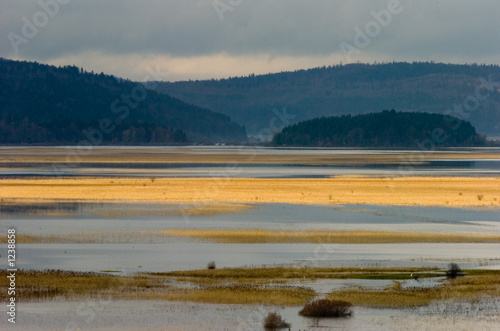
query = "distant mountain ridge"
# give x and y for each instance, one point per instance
(351, 89)
(43, 104)
(383, 129)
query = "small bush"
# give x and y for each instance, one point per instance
(211, 265)
(327, 308)
(454, 271)
(480, 197)
(274, 321)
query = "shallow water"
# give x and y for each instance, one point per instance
(452, 168)
(80, 217)
(167, 253)
(128, 258)
(157, 315)
(171, 254)
(473, 166)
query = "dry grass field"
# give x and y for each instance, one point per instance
(412, 191)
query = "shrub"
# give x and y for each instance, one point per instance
(211, 265)
(480, 197)
(327, 308)
(454, 271)
(274, 321)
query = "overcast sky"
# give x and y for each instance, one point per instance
(198, 39)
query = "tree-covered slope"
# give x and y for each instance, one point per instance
(49, 105)
(384, 129)
(351, 89)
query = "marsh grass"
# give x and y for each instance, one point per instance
(285, 275)
(89, 237)
(326, 236)
(55, 284)
(246, 286)
(467, 288)
(50, 284)
(234, 294)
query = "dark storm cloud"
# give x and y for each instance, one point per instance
(287, 31)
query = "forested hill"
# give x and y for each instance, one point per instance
(64, 105)
(385, 129)
(351, 89)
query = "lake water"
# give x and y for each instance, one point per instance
(409, 162)
(167, 253)
(157, 253)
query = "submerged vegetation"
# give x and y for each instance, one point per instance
(267, 286)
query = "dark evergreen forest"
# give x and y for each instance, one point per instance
(42, 104)
(352, 89)
(384, 129)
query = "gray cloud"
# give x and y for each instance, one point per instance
(190, 34)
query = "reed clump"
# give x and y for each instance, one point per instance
(327, 308)
(274, 321)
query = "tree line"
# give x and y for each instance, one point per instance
(383, 129)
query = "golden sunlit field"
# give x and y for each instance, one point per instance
(412, 191)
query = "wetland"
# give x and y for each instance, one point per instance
(128, 226)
